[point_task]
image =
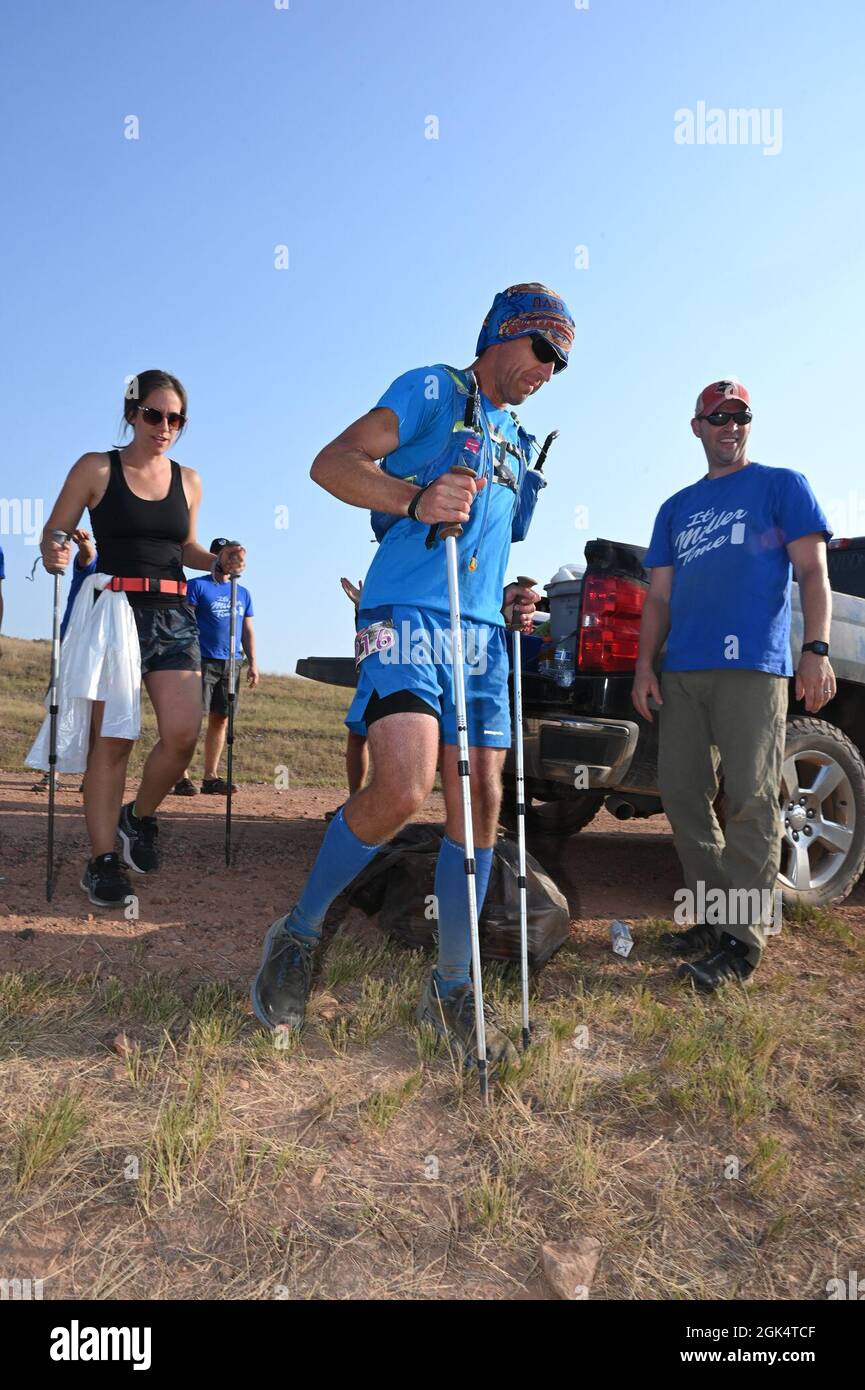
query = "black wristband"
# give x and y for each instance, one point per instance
(413, 504)
(818, 648)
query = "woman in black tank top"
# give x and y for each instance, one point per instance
(143, 509)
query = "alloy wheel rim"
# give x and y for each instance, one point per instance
(818, 820)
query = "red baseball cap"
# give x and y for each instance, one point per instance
(711, 397)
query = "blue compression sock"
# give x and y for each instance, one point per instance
(339, 861)
(455, 946)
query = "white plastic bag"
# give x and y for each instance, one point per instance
(99, 660)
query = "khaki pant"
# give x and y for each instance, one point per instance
(736, 718)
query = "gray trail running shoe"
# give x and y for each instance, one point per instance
(44, 780)
(280, 989)
(453, 1018)
(104, 881)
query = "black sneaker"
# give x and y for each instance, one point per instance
(453, 1018)
(279, 990)
(185, 787)
(138, 838)
(702, 937)
(728, 962)
(104, 881)
(216, 786)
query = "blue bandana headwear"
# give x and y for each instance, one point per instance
(523, 310)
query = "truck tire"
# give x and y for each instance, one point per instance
(562, 816)
(822, 814)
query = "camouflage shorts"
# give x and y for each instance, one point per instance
(168, 638)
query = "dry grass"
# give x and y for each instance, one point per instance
(287, 722)
(715, 1148)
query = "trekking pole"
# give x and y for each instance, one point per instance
(521, 815)
(542, 456)
(232, 664)
(519, 769)
(449, 532)
(53, 709)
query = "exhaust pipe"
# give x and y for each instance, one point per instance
(619, 807)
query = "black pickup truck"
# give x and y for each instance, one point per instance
(586, 746)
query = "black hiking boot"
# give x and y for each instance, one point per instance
(280, 989)
(728, 962)
(702, 937)
(185, 787)
(453, 1018)
(104, 881)
(138, 838)
(216, 786)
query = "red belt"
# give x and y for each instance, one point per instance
(147, 586)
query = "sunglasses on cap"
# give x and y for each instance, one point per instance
(173, 419)
(545, 352)
(723, 417)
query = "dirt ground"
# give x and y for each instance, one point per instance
(200, 916)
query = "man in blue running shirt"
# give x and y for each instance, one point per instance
(428, 420)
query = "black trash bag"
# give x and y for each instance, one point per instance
(399, 885)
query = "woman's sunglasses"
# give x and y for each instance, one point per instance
(545, 352)
(173, 420)
(722, 417)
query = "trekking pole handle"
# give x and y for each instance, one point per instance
(220, 550)
(510, 616)
(59, 538)
(440, 530)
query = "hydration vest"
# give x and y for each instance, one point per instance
(471, 443)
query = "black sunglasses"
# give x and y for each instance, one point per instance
(721, 417)
(545, 352)
(173, 420)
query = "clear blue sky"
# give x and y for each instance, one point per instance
(306, 127)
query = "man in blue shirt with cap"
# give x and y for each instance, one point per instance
(720, 559)
(428, 420)
(211, 600)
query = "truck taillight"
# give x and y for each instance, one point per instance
(610, 623)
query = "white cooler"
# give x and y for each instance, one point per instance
(564, 591)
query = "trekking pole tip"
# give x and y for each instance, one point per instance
(484, 1080)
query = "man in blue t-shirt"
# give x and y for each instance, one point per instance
(720, 559)
(427, 421)
(211, 600)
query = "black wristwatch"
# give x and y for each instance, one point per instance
(818, 648)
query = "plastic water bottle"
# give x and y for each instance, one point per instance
(563, 667)
(621, 939)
